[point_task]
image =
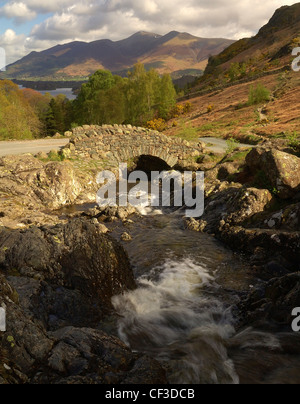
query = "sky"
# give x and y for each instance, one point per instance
(36, 25)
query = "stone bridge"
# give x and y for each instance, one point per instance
(119, 144)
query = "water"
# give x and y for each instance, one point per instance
(181, 312)
(171, 317)
(68, 92)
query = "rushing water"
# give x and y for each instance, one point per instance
(181, 312)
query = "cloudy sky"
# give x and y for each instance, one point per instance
(38, 24)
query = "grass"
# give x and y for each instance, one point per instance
(232, 144)
(294, 140)
(53, 156)
(188, 132)
(238, 156)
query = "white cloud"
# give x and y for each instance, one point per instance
(13, 45)
(89, 20)
(17, 11)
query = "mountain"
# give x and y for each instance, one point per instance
(270, 49)
(169, 53)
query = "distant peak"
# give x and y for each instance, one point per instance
(145, 33)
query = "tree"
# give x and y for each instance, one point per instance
(136, 99)
(85, 106)
(166, 96)
(18, 119)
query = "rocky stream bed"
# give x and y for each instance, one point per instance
(115, 296)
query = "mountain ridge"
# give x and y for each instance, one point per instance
(167, 53)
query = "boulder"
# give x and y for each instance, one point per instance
(272, 301)
(30, 354)
(281, 169)
(76, 256)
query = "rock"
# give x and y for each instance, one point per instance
(272, 301)
(102, 268)
(53, 153)
(59, 284)
(280, 168)
(68, 134)
(57, 136)
(126, 237)
(29, 354)
(103, 229)
(42, 156)
(246, 203)
(225, 170)
(195, 225)
(29, 185)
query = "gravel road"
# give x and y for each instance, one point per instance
(31, 146)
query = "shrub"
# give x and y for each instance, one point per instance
(258, 95)
(158, 124)
(181, 109)
(210, 108)
(294, 140)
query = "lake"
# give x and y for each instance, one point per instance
(68, 92)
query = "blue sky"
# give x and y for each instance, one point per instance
(35, 25)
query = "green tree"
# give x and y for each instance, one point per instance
(166, 96)
(86, 109)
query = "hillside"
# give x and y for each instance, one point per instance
(220, 98)
(269, 50)
(169, 53)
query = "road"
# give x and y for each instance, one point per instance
(217, 145)
(31, 146)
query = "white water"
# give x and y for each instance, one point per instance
(172, 317)
(177, 314)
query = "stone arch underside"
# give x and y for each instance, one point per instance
(154, 151)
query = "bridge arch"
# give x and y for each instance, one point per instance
(119, 144)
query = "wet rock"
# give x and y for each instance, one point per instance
(272, 302)
(30, 354)
(59, 284)
(195, 225)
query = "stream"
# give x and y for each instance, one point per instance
(181, 312)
